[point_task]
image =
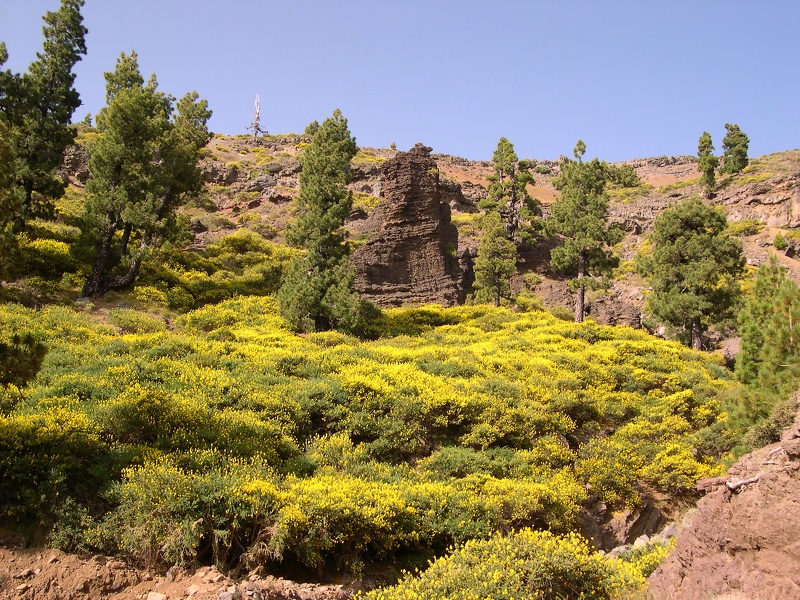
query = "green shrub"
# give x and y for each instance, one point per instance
(542, 169)
(520, 566)
(46, 458)
(47, 258)
(527, 302)
(51, 230)
(454, 429)
(150, 295)
(166, 515)
(207, 319)
(647, 557)
(780, 242)
(770, 429)
(745, 227)
(562, 312)
(128, 320)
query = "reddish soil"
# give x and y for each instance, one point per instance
(41, 574)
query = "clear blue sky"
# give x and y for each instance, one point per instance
(632, 78)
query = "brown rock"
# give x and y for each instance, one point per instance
(744, 537)
(413, 255)
(74, 165)
(606, 530)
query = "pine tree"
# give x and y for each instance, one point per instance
(507, 191)
(755, 316)
(20, 361)
(707, 162)
(734, 150)
(779, 367)
(496, 261)
(10, 201)
(142, 166)
(316, 293)
(39, 106)
(693, 269)
(580, 215)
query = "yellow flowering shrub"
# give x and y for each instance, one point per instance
(168, 515)
(451, 425)
(521, 566)
(46, 458)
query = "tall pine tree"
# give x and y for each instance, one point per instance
(734, 150)
(142, 166)
(317, 293)
(693, 269)
(580, 216)
(707, 162)
(754, 317)
(507, 193)
(10, 201)
(496, 261)
(39, 105)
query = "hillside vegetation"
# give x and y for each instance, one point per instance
(195, 368)
(181, 421)
(230, 439)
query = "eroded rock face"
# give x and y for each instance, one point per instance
(412, 256)
(775, 201)
(607, 530)
(743, 542)
(74, 166)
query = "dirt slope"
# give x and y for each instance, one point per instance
(31, 574)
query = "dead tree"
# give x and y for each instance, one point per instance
(255, 126)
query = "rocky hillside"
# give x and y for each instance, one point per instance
(401, 232)
(744, 538)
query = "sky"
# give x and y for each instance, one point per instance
(632, 78)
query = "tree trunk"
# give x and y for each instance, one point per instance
(497, 295)
(128, 278)
(27, 203)
(126, 236)
(581, 291)
(697, 335)
(96, 284)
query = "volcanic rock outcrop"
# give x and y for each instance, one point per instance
(412, 256)
(744, 541)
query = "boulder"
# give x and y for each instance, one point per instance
(74, 164)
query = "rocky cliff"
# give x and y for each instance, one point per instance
(744, 539)
(411, 255)
(252, 184)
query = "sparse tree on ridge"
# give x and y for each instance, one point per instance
(496, 261)
(39, 105)
(693, 269)
(707, 162)
(142, 166)
(734, 150)
(507, 191)
(255, 126)
(580, 215)
(316, 293)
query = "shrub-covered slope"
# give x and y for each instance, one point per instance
(227, 438)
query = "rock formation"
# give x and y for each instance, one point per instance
(412, 254)
(744, 540)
